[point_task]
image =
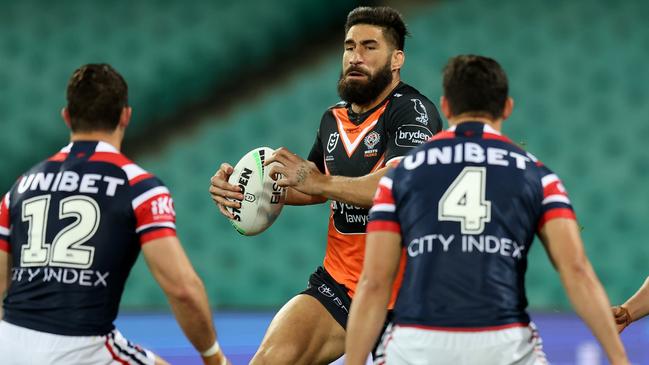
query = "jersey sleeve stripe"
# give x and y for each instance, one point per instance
(148, 195)
(556, 213)
(386, 181)
(132, 171)
(139, 178)
(382, 226)
(4, 231)
(158, 233)
(549, 179)
(4, 245)
(4, 216)
(382, 208)
(156, 224)
(556, 198)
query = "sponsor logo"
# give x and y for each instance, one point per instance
(371, 140)
(249, 197)
(244, 178)
(333, 141)
(326, 291)
(397, 95)
(421, 110)
(411, 135)
(162, 206)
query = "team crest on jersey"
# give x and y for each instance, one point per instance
(333, 141)
(421, 110)
(371, 140)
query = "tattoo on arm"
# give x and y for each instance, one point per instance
(301, 174)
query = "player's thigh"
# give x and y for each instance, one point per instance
(302, 332)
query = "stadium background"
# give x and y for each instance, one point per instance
(209, 80)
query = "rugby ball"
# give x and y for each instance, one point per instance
(263, 200)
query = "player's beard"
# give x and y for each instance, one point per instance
(362, 92)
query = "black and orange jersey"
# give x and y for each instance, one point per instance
(349, 144)
(73, 226)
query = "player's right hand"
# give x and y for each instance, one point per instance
(622, 317)
(222, 192)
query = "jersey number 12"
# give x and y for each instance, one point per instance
(464, 201)
(67, 249)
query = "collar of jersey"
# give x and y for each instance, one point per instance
(100, 147)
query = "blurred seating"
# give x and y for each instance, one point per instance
(172, 53)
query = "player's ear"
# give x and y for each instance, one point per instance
(398, 58)
(125, 117)
(509, 107)
(446, 108)
(65, 114)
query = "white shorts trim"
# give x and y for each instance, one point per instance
(510, 346)
(19, 346)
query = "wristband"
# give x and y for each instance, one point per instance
(215, 349)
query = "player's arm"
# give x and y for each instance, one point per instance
(369, 306)
(634, 308)
(5, 277)
(225, 194)
(564, 246)
(305, 177)
(185, 291)
(5, 257)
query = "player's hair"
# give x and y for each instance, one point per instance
(475, 84)
(96, 95)
(390, 20)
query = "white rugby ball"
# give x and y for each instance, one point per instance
(262, 198)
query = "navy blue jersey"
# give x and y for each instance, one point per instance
(467, 205)
(73, 226)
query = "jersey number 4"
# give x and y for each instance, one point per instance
(67, 249)
(464, 201)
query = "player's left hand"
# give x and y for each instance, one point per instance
(622, 317)
(295, 172)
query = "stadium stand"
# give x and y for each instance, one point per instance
(172, 53)
(578, 78)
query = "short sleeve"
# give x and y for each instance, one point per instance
(154, 210)
(5, 224)
(383, 214)
(411, 121)
(316, 155)
(555, 203)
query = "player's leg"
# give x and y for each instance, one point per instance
(302, 332)
(309, 329)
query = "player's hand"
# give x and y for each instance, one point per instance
(222, 192)
(294, 171)
(622, 317)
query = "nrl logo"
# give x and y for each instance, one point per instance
(333, 141)
(371, 140)
(421, 110)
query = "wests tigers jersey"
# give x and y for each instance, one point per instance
(349, 144)
(73, 226)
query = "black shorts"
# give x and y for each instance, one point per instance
(333, 296)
